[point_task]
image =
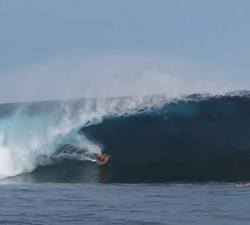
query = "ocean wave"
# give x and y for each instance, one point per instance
(152, 139)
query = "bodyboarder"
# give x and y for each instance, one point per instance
(101, 158)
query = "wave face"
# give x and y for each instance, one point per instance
(151, 139)
(202, 139)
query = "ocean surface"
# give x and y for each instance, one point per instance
(67, 203)
(174, 160)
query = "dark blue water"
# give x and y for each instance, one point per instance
(65, 203)
(155, 145)
(199, 139)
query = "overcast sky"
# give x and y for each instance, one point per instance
(55, 49)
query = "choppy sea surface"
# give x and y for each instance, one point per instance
(170, 203)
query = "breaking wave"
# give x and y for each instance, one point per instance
(151, 139)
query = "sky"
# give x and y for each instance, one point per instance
(57, 49)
